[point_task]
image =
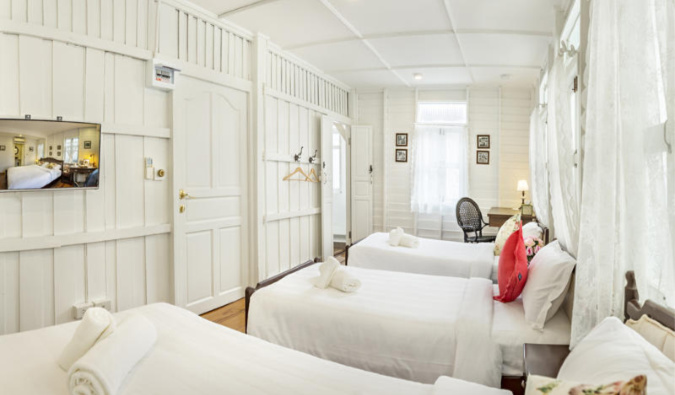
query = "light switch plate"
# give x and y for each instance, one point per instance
(81, 308)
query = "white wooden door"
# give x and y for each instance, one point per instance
(210, 220)
(362, 182)
(326, 187)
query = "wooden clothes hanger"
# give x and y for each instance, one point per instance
(296, 171)
(312, 173)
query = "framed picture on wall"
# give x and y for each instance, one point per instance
(401, 139)
(31, 149)
(58, 147)
(483, 157)
(50, 148)
(58, 153)
(87, 145)
(483, 141)
(2, 147)
(401, 155)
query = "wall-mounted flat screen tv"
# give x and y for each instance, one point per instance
(37, 155)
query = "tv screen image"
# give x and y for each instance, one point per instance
(30, 163)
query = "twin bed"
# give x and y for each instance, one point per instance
(405, 325)
(195, 356)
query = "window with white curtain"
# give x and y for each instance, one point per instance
(71, 151)
(439, 157)
(41, 150)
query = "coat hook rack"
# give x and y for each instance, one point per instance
(297, 156)
(313, 158)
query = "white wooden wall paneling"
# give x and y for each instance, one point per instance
(64, 247)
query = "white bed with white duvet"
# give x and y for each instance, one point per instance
(405, 325)
(195, 356)
(436, 257)
(32, 176)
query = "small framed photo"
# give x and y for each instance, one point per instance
(401, 155)
(58, 153)
(401, 139)
(87, 145)
(483, 157)
(527, 209)
(2, 147)
(51, 154)
(58, 147)
(50, 148)
(31, 149)
(483, 141)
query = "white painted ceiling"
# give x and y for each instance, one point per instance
(383, 43)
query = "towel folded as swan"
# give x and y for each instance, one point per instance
(331, 274)
(397, 237)
(96, 325)
(102, 370)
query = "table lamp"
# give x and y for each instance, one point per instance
(522, 187)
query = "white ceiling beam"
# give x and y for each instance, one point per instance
(440, 66)
(421, 34)
(446, 3)
(365, 42)
(245, 8)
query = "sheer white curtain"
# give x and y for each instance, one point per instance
(439, 162)
(561, 148)
(627, 200)
(538, 167)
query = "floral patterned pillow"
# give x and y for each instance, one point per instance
(510, 226)
(539, 385)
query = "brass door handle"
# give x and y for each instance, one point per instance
(182, 194)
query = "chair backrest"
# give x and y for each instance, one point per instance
(468, 214)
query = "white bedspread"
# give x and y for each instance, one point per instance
(510, 330)
(404, 325)
(30, 177)
(436, 257)
(194, 356)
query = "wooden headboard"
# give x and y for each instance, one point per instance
(633, 310)
(53, 160)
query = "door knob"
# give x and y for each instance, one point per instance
(182, 194)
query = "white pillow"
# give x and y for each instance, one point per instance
(612, 352)
(532, 229)
(547, 280)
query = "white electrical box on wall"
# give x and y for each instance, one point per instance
(161, 75)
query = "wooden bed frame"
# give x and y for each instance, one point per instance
(250, 290)
(544, 228)
(633, 310)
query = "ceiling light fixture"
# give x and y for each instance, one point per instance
(417, 76)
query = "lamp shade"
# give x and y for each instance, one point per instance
(522, 186)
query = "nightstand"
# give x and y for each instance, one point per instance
(544, 359)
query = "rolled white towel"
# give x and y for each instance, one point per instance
(345, 282)
(409, 241)
(96, 325)
(103, 369)
(395, 236)
(327, 270)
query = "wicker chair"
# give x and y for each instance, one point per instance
(470, 219)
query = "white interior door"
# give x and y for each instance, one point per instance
(362, 182)
(210, 221)
(326, 187)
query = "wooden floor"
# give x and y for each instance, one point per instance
(233, 315)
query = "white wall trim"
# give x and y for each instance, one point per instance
(292, 214)
(207, 75)
(135, 130)
(48, 33)
(285, 97)
(44, 242)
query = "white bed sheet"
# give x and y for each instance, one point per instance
(404, 325)
(30, 177)
(435, 257)
(194, 356)
(510, 330)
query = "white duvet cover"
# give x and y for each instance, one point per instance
(436, 257)
(404, 325)
(30, 177)
(194, 356)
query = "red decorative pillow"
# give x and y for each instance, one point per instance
(512, 267)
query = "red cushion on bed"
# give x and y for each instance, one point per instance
(512, 267)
